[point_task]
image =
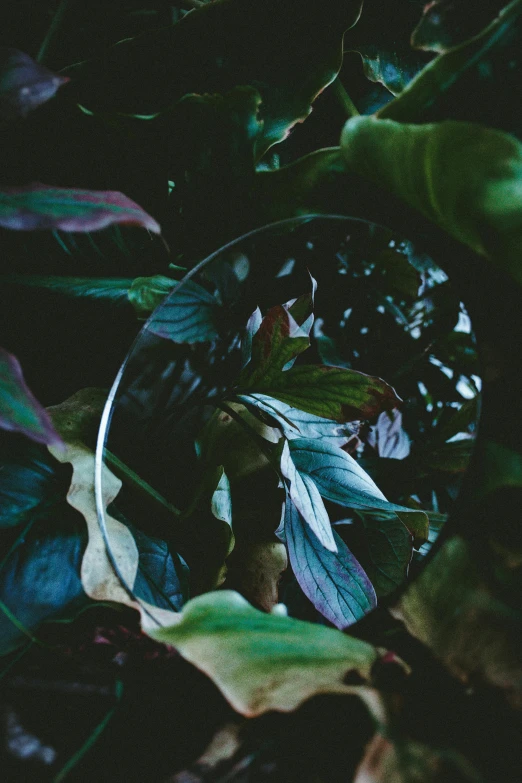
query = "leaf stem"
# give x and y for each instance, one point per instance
(53, 29)
(132, 477)
(344, 99)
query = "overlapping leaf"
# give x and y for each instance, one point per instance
(187, 316)
(335, 582)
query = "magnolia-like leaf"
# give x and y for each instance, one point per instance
(282, 335)
(187, 315)
(330, 392)
(342, 480)
(388, 438)
(36, 206)
(462, 176)
(264, 662)
(335, 582)
(296, 423)
(146, 293)
(24, 84)
(20, 411)
(306, 498)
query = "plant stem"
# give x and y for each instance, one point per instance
(53, 29)
(132, 477)
(344, 99)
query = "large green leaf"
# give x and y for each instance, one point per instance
(335, 582)
(20, 411)
(260, 661)
(330, 392)
(463, 177)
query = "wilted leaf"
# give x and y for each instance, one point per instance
(307, 500)
(20, 411)
(335, 582)
(330, 392)
(342, 480)
(24, 84)
(264, 662)
(296, 423)
(388, 438)
(187, 316)
(463, 177)
(36, 206)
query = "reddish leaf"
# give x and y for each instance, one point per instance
(24, 84)
(20, 411)
(38, 206)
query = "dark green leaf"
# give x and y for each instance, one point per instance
(334, 582)
(162, 577)
(187, 315)
(111, 288)
(20, 411)
(448, 23)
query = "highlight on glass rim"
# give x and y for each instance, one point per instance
(260, 382)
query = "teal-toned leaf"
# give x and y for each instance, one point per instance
(162, 576)
(296, 423)
(330, 392)
(20, 411)
(335, 582)
(307, 500)
(283, 334)
(146, 293)
(463, 177)
(108, 288)
(187, 315)
(36, 206)
(24, 84)
(262, 661)
(339, 478)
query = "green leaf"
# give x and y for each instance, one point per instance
(112, 288)
(186, 316)
(264, 662)
(335, 582)
(330, 392)
(341, 479)
(146, 293)
(20, 411)
(445, 24)
(307, 500)
(389, 548)
(463, 177)
(221, 502)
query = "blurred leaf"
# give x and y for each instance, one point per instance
(387, 436)
(447, 23)
(186, 316)
(20, 411)
(342, 480)
(464, 177)
(451, 457)
(307, 500)
(400, 275)
(335, 583)
(330, 392)
(146, 293)
(24, 84)
(36, 206)
(263, 662)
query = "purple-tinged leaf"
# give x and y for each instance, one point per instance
(335, 582)
(306, 498)
(388, 438)
(36, 206)
(331, 392)
(24, 84)
(283, 334)
(20, 411)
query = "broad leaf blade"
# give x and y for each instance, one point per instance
(335, 583)
(305, 495)
(330, 392)
(24, 84)
(37, 206)
(20, 411)
(187, 316)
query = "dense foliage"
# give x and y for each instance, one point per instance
(240, 386)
